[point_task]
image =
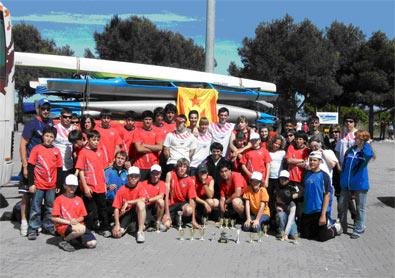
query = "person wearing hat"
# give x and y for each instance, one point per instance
(179, 143)
(256, 199)
(129, 206)
(256, 159)
(205, 201)
(31, 136)
(155, 190)
(68, 216)
(316, 206)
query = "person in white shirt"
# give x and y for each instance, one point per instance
(348, 137)
(222, 130)
(62, 141)
(329, 159)
(179, 144)
(204, 139)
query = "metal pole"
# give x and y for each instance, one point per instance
(210, 36)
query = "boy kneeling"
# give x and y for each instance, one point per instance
(68, 215)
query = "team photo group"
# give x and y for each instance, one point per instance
(83, 177)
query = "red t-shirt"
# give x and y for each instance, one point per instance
(149, 137)
(255, 160)
(201, 193)
(46, 160)
(128, 140)
(181, 189)
(169, 127)
(126, 193)
(92, 163)
(296, 172)
(68, 208)
(152, 190)
(236, 180)
(109, 139)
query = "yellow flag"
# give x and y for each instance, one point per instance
(202, 100)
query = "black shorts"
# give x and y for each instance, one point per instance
(130, 217)
(174, 209)
(84, 239)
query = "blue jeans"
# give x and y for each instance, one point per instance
(35, 210)
(361, 201)
(264, 220)
(282, 220)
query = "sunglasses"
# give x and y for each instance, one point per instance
(45, 109)
(76, 123)
(66, 117)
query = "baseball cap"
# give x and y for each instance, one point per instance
(133, 171)
(315, 154)
(42, 102)
(202, 168)
(71, 180)
(156, 167)
(256, 176)
(254, 136)
(284, 174)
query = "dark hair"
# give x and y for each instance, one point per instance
(130, 115)
(122, 153)
(314, 118)
(285, 195)
(301, 134)
(273, 140)
(182, 116)
(74, 136)
(147, 114)
(92, 133)
(170, 107)
(74, 116)
(105, 113)
(193, 112)
(222, 110)
(352, 116)
(225, 164)
(216, 146)
(159, 111)
(65, 110)
(50, 129)
(83, 120)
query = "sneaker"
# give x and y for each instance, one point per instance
(105, 233)
(47, 232)
(355, 236)
(338, 227)
(32, 235)
(140, 237)
(66, 246)
(24, 227)
(162, 228)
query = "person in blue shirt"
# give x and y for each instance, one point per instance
(355, 179)
(116, 176)
(31, 136)
(316, 206)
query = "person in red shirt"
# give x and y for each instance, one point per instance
(180, 194)
(68, 216)
(205, 201)
(170, 117)
(110, 141)
(90, 165)
(232, 188)
(126, 133)
(148, 143)
(129, 205)
(256, 159)
(154, 190)
(44, 175)
(235, 156)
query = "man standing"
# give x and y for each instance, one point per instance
(31, 137)
(222, 130)
(315, 133)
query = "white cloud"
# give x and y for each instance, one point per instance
(101, 19)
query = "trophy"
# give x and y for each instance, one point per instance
(221, 222)
(202, 232)
(223, 238)
(238, 230)
(204, 220)
(158, 227)
(260, 235)
(232, 224)
(226, 223)
(180, 229)
(266, 228)
(192, 232)
(251, 237)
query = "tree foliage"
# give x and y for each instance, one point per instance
(296, 57)
(138, 40)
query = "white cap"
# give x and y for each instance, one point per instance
(133, 171)
(71, 180)
(315, 154)
(284, 174)
(156, 167)
(254, 136)
(256, 176)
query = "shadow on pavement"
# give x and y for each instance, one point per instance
(389, 201)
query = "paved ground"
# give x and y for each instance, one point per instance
(164, 256)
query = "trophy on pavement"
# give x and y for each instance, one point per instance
(192, 232)
(180, 229)
(158, 227)
(202, 230)
(232, 224)
(226, 223)
(238, 230)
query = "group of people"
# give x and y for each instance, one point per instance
(82, 175)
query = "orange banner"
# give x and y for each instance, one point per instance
(202, 100)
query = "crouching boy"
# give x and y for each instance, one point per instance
(68, 216)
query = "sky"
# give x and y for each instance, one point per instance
(73, 22)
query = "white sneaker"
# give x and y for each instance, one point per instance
(24, 227)
(140, 237)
